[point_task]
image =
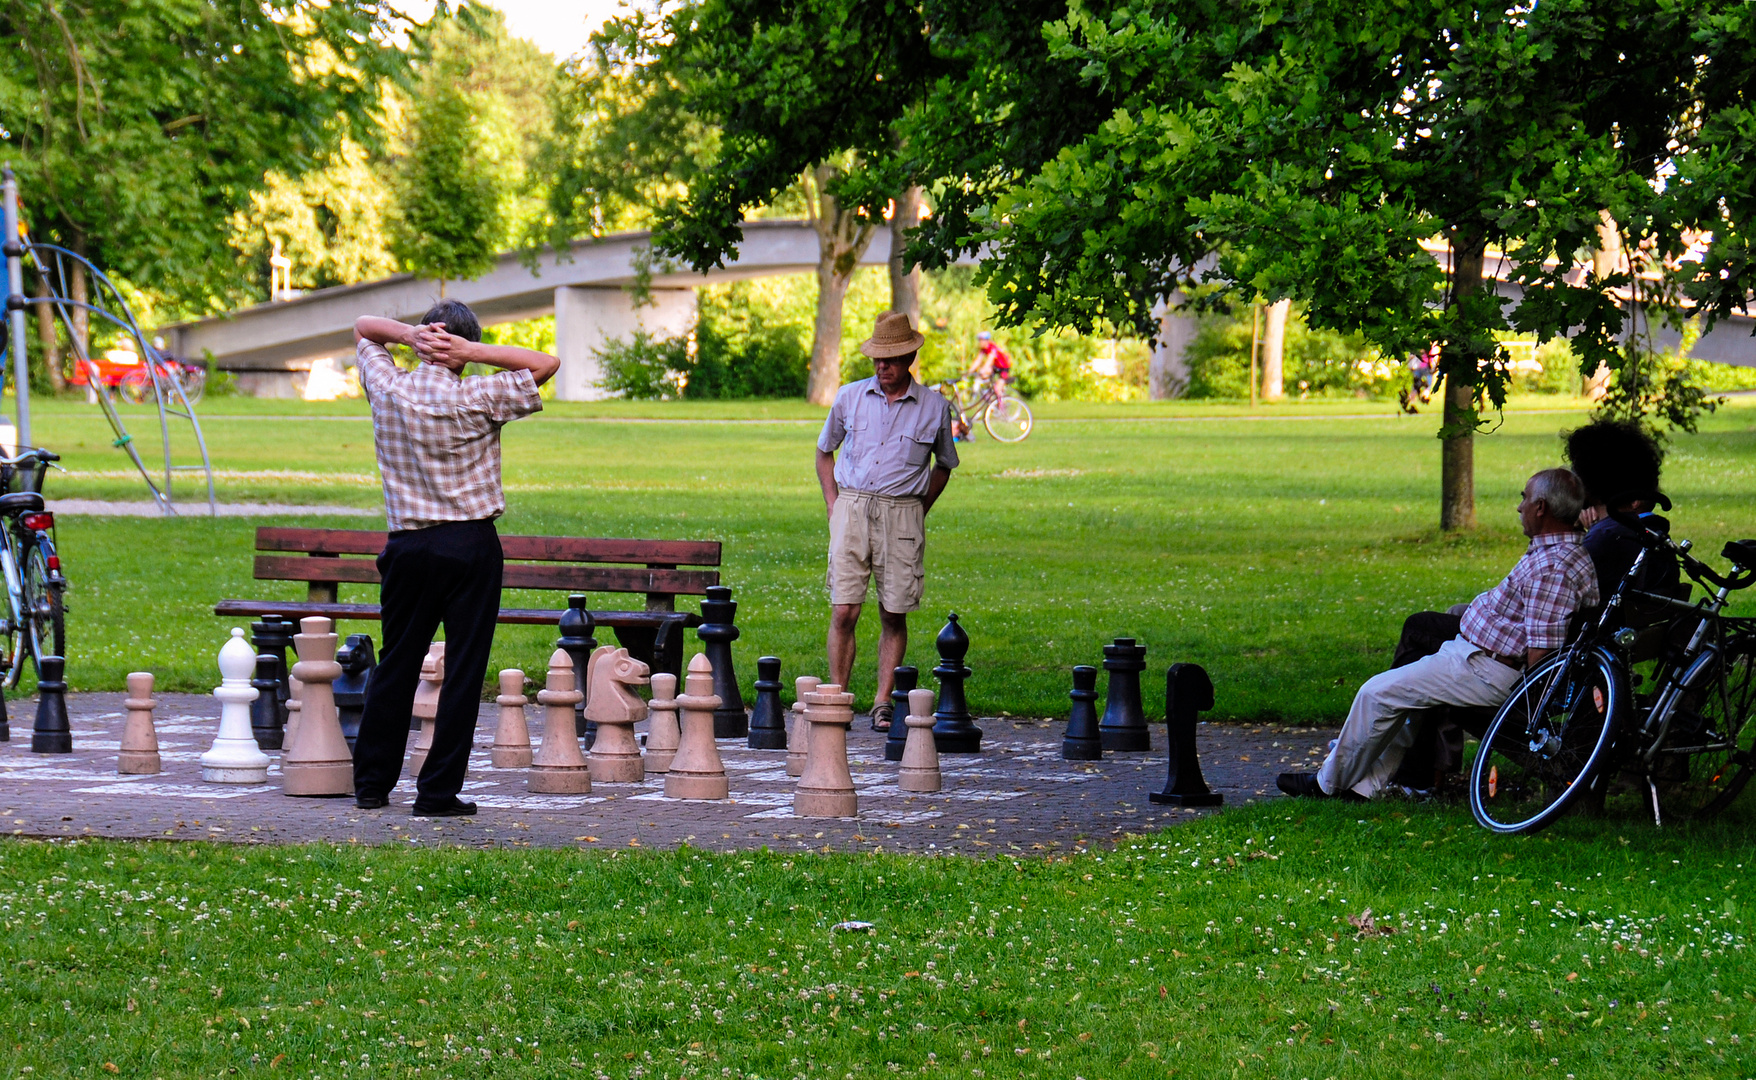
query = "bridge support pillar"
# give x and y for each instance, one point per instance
(588, 316)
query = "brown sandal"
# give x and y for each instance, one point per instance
(882, 716)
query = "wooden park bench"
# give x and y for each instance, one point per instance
(652, 568)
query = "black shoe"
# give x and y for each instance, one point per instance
(371, 802)
(1299, 784)
(456, 807)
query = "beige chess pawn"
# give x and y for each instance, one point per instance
(664, 732)
(827, 788)
(559, 767)
(920, 754)
(290, 736)
(140, 743)
(427, 705)
(319, 763)
(799, 733)
(696, 771)
(511, 735)
(615, 708)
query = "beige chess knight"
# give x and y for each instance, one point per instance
(896, 453)
(438, 441)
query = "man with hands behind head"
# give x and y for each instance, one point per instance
(438, 442)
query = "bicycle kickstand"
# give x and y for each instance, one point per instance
(1652, 788)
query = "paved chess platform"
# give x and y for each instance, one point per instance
(1016, 796)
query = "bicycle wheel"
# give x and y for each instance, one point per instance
(1547, 741)
(194, 383)
(1710, 748)
(1008, 420)
(137, 386)
(45, 622)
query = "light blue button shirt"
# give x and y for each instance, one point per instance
(886, 445)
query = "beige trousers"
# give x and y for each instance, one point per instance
(1377, 733)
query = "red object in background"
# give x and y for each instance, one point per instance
(1002, 362)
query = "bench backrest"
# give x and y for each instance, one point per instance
(566, 563)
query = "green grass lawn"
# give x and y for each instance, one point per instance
(1280, 550)
(1225, 947)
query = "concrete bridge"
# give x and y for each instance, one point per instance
(585, 286)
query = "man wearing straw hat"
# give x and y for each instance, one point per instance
(878, 491)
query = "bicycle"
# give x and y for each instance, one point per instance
(34, 621)
(1006, 418)
(1574, 728)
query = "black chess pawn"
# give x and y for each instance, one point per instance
(906, 678)
(577, 641)
(1082, 742)
(768, 724)
(357, 661)
(53, 735)
(265, 718)
(1124, 724)
(273, 636)
(1188, 693)
(717, 633)
(953, 730)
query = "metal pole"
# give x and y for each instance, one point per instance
(14, 248)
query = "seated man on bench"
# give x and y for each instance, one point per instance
(1505, 630)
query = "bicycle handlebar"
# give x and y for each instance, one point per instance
(31, 453)
(1654, 540)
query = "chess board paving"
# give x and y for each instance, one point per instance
(1017, 795)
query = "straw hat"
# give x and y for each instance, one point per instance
(892, 336)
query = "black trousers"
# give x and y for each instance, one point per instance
(446, 575)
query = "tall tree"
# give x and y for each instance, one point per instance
(137, 125)
(843, 235)
(1105, 156)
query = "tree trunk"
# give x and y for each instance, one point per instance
(905, 281)
(81, 343)
(842, 238)
(1274, 336)
(1606, 259)
(1461, 364)
(1168, 372)
(51, 341)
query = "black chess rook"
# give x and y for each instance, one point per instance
(52, 734)
(768, 724)
(717, 632)
(905, 678)
(1188, 694)
(272, 636)
(1124, 724)
(1081, 742)
(954, 732)
(576, 641)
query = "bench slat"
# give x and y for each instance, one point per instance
(371, 613)
(618, 579)
(532, 548)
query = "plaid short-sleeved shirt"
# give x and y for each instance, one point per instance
(1530, 608)
(438, 437)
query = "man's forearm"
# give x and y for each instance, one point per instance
(826, 479)
(935, 486)
(512, 358)
(383, 331)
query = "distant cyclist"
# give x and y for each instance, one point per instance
(993, 367)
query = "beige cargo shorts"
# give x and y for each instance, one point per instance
(882, 536)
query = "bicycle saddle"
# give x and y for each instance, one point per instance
(1742, 552)
(21, 502)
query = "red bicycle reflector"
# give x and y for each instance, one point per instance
(40, 521)
(55, 563)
